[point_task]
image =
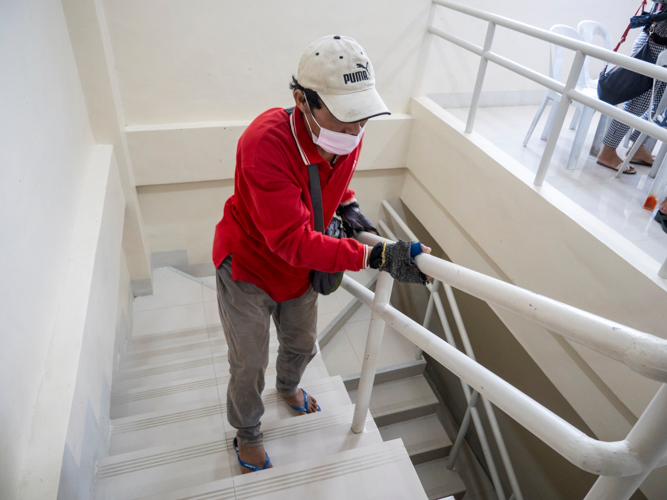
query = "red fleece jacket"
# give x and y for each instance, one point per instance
(268, 222)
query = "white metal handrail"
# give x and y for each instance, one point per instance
(471, 396)
(582, 49)
(621, 465)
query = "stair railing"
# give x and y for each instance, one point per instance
(621, 465)
(568, 90)
(471, 396)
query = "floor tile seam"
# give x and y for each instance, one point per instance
(360, 359)
(166, 307)
(165, 336)
(640, 240)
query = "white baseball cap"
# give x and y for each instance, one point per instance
(338, 69)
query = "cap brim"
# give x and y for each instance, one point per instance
(355, 107)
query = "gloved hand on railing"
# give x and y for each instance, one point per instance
(398, 259)
(353, 219)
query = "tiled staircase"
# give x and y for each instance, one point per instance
(170, 437)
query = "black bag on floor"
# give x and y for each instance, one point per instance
(620, 84)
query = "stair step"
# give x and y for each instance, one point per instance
(145, 359)
(401, 400)
(424, 438)
(158, 340)
(125, 403)
(198, 366)
(378, 471)
(162, 469)
(438, 481)
(202, 418)
(169, 353)
(173, 343)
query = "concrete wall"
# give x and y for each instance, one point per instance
(44, 155)
(70, 418)
(207, 61)
(95, 61)
(462, 65)
(486, 217)
(188, 175)
(63, 212)
(183, 216)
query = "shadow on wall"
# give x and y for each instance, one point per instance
(77, 477)
(542, 473)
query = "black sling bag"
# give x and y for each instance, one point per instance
(322, 282)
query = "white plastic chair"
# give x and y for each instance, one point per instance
(657, 163)
(589, 30)
(555, 72)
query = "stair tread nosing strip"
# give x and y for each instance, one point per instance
(212, 447)
(133, 356)
(167, 419)
(319, 473)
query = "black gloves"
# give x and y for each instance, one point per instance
(353, 219)
(398, 260)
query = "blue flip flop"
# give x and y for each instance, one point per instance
(304, 408)
(246, 464)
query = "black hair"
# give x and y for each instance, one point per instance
(312, 97)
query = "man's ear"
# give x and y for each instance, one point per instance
(300, 101)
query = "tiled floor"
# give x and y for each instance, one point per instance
(616, 202)
(344, 353)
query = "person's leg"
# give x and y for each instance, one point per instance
(642, 155)
(617, 130)
(245, 312)
(296, 323)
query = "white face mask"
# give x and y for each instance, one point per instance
(332, 142)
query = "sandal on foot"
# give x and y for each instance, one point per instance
(641, 162)
(252, 467)
(304, 408)
(630, 170)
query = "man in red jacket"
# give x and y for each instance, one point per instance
(265, 246)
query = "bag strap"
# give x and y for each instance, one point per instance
(627, 30)
(624, 36)
(315, 190)
(316, 197)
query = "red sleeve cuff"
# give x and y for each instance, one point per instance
(363, 255)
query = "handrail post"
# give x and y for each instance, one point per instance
(647, 439)
(463, 430)
(372, 353)
(563, 106)
(433, 289)
(471, 411)
(481, 72)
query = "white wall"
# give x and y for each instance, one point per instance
(183, 216)
(462, 65)
(176, 153)
(202, 60)
(44, 152)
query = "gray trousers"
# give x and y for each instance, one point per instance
(245, 312)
